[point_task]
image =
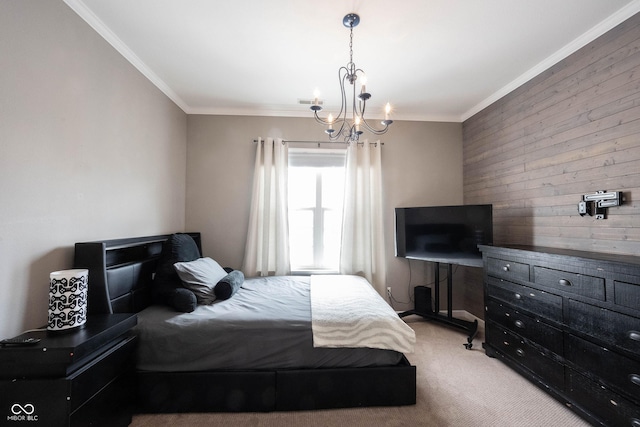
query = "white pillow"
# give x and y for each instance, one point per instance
(200, 276)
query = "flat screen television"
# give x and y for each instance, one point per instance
(448, 234)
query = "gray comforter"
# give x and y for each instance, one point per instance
(265, 325)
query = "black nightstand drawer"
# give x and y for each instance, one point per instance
(525, 326)
(532, 300)
(615, 328)
(54, 401)
(104, 369)
(607, 406)
(528, 356)
(508, 270)
(110, 408)
(616, 369)
(579, 284)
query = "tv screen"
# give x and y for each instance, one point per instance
(449, 234)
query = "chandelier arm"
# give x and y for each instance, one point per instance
(340, 131)
(374, 130)
(343, 101)
(354, 106)
(319, 119)
(341, 116)
(370, 128)
(333, 136)
(363, 107)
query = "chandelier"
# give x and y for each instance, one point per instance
(349, 124)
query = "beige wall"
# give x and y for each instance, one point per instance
(89, 149)
(422, 165)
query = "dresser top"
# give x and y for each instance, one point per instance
(570, 253)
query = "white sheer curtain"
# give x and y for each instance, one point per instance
(267, 248)
(362, 250)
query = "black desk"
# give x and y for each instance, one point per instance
(74, 378)
(470, 327)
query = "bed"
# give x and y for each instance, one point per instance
(236, 367)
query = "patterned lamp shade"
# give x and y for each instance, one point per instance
(67, 299)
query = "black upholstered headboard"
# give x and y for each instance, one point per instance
(121, 271)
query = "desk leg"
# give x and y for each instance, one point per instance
(436, 287)
(449, 291)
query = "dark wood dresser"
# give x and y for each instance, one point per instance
(570, 322)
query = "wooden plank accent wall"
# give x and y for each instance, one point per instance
(573, 129)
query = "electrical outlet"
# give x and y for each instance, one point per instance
(389, 291)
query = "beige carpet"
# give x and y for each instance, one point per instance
(455, 387)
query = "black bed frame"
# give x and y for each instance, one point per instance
(120, 279)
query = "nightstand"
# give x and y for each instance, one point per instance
(77, 378)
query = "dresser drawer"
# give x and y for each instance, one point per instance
(626, 294)
(579, 284)
(509, 270)
(615, 369)
(528, 356)
(607, 406)
(532, 300)
(527, 327)
(615, 328)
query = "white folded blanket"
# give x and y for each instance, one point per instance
(347, 312)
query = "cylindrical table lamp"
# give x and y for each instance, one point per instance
(67, 299)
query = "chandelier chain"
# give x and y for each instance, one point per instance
(351, 47)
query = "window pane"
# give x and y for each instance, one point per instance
(301, 238)
(332, 187)
(302, 187)
(332, 236)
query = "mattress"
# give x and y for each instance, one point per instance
(266, 324)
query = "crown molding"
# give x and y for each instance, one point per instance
(611, 22)
(101, 28)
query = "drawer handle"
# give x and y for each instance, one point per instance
(506, 267)
(635, 379)
(518, 296)
(519, 323)
(633, 335)
(520, 352)
(564, 282)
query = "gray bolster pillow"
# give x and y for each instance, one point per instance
(229, 285)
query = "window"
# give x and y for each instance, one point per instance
(316, 190)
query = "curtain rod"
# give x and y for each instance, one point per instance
(255, 141)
